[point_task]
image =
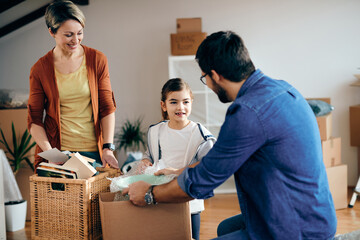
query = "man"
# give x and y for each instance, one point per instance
(269, 140)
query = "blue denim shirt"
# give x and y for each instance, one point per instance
(270, 141)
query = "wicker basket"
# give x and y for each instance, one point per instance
(73, 213)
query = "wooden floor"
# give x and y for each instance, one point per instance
(223, 206)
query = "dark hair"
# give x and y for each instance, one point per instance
(60, 11)
(225, 52)
(173, 85)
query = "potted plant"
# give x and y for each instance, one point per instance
(131, 138)
(15, 205)
(20, 149)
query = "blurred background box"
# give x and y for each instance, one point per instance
(324, 122)
(188, 25)
(331, 149)
(186, 43)
(355, 126)
(337, 177)
(325, 126)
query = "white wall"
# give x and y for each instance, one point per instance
(314, 45)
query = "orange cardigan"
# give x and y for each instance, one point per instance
(44, 95)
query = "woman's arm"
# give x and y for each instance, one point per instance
(108, 126)
(38, 133)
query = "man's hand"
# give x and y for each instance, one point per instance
(108, 157)
(136, 192)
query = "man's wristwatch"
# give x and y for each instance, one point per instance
(109, 146)
(149, 197)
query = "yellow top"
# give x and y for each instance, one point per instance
(76, 116)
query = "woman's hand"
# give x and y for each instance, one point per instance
(108, 157)
(167, 171)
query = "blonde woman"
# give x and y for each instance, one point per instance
(71, 104)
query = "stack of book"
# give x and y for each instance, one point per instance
(60, 166)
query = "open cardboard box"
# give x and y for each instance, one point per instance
(324, 122)
(123, 220)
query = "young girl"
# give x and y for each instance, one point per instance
(178, 142)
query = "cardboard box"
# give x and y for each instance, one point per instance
(331, 149)
(337, 177)
(186, 43)
(327, 100)
(123, 220)
(325, 126)
(324, 122)
(355, 125)
(188, 25)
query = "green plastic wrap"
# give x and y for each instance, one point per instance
(121, 182)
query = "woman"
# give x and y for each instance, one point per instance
(71, 83)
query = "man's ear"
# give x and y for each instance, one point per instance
(216, 77)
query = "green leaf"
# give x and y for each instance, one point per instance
(20, 150)
(6, 144)
(130, 135)
(14, 139)
(22, 142)
(29, 163)
(28, 149)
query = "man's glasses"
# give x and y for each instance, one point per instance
(202, 78)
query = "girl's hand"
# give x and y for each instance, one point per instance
(167, 171)
(142, 165)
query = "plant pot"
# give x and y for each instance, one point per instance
(15, 215)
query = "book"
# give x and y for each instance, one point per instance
(54, 155)
(90, 160)
(59, 168)
(85, 170)
(46, 172)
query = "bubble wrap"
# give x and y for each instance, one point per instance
(136, 174)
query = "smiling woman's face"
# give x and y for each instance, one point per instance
(69, 36)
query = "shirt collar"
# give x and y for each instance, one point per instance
(254, 77)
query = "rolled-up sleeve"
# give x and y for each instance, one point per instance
(36, 100)
(107, 103)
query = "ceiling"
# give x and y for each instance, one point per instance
(16, 13)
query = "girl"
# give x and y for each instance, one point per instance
(178, 142)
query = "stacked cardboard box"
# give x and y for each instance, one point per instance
(188, 36)
(331, 148)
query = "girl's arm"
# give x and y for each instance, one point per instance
(204, 149)
(169, 171)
